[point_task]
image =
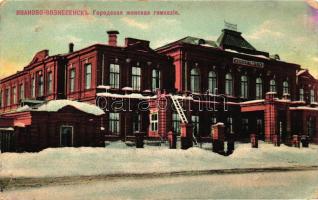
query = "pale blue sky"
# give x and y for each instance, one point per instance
(287, 28)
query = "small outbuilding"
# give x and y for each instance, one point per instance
(57, 123)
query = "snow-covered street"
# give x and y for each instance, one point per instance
(286, 185)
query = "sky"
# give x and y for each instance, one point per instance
(287, 28)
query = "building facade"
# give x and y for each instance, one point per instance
(190, 81)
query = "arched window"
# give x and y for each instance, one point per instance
(195, 80)
(285, 87)
(259, 88)
(312, 96)
(244, 87)
(212, 82)
(228, 84)
(272, 85)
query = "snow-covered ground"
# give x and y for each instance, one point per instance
(119, 158)
(278, 185)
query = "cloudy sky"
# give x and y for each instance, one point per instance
(287, 28)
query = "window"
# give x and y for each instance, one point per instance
(72, 80)
(259, 88)
(214, 120)
(230, 124)
(88, 76)
(195, 123)
(154, 122)
(21, 90)
(259, 126)
(114, 127)
(245, 125)
(114, 75)
(311, 126)
(312, 96)
(136, 122)
(15, 97)
(244, 87)
(212, 82)
(1, 99)
(136, 74)
(301, 94)
(285, 87)
(228, 84)
(176, 123)
(40, 85)
(155, 79)
(66, 136)
(272, 85)
(195, 80)
(49, 83)
(7, 96)
(33, 87)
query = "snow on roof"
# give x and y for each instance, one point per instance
(23, 108)
(283, 100)
(301, 72)
(106, 87)
(271, 92)
(258, 56)
(304, 108)
(253, 101)
(56, 105)
(7, 129)
(131, 96)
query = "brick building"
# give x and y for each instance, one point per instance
(186, 85)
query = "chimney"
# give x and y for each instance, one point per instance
(70, 47)
(112, 37)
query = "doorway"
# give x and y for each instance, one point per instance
(66, 136)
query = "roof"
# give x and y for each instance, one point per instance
(233, 39)
(191, 40)
(56, 105)
(198, 41)
(229, 39)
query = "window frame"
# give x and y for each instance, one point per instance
(114, 123)
(33, 87)
(137, 123)
(87, 76)
(195, 78)
(72, 80)
(272, 85)
(195, 120)
(21, 91)
(176, 121)
(14, 94)
(259, 88)
(40, 85)
(156, 79)
(301, 94)
(49, 82)
(136, 78)
(286, 87)
(244, 86)
(114, 75)
(212, 82)
(8, 96)
(229, 84)
(154, 122)
(229, 122)
(1, 98)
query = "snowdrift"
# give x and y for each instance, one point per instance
(119, 158)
